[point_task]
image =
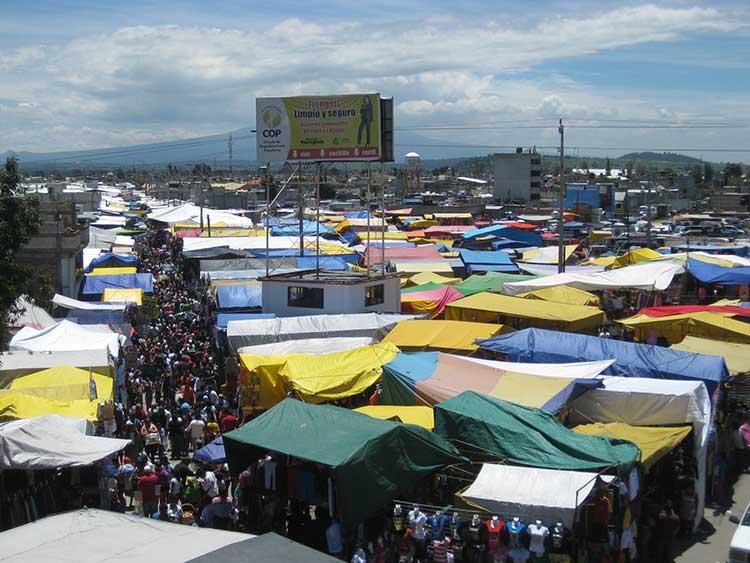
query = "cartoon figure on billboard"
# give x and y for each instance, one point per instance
(365, 117)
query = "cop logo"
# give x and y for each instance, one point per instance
(271, 119)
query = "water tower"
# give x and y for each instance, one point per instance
(412, 178)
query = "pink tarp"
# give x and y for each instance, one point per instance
(425, 253)
(669, 310)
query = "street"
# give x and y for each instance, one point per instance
(715, 547)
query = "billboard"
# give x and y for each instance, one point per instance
(317, 128)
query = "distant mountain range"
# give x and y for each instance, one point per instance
(661, 157)
(209, 149)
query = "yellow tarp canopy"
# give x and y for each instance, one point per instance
(343, 225)
(447, 336)
(64, 383)
(737, 356)
(544, 256)
(528, 390)
(377, 235)
(563, 294)
(654, 441)
(117, 295)
(596, 236)
(421, 416)
(416, 267)
(428, 277)
(715, 326)
(452, 215)
(524, 313)
(17, 405)
(629, 258)
(315, 378)
(227, 232)
(112, 271)
(422, 224)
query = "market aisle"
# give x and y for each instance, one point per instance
(716, 547)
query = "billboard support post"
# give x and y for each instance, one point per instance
(369, 235)
(382, 217)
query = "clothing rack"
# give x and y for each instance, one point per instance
(444, 509)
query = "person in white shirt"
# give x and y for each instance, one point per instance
(195, 431)
(210, 484)
(538, 535)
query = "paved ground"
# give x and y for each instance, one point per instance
(712, 546)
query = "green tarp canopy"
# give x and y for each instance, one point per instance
(527, 436)
(372, 460)
(491, 281)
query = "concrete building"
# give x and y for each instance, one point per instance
(54, 253)
(731, 201)
(518, 176)
(330, 293)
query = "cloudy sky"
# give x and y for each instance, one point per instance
(91, 74)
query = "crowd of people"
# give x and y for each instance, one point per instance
(173, 400)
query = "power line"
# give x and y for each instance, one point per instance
(555, 147)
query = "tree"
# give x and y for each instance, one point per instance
(19, 222)
(584, 165)
(327, 191)
(697, 173)
(732, 173)
(708, 173)
(201, 169)
(608, 166)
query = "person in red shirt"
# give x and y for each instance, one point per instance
(147, 485)
(228, 422)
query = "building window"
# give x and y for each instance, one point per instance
(374, 295)
(309, 297)
(536, 172)
(533, 196)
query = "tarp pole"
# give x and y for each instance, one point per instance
(561, 219)
(317, 220)
(382, 218)
(268, 211)
(301, 204)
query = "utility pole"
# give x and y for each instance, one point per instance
(648, 210)
(301, 205)
(231, 169)
(560, 221)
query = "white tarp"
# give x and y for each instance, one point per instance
(101, 238)
(189, 213)
(531, 494)
(312, 346)
(89, 254)
(551, 269)
(266, 331)
(192, 244)
(89, 535)
(573, 369)
(49, 442)
(29, 315)
(68, 303)
(65, 335)
(652, 402)
(649, 276)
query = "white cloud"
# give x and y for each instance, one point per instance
(148, 83)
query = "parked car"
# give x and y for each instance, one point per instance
(739, 547)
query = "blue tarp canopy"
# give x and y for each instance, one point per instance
(222, 319)
(351, 258)
(326, 263)
(110, 260)
(291, 230)
(503, 243)
(240, 296)
(86, 317)
(737, 250)
(542, 346)
(713, 273)
(487, 261)
(356, 215)
(95, 285)
(501, 231)
(213, 452)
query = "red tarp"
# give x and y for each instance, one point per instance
(418, 253)
(549, 235)
(437, 298)
(417, 233)
(669, 310)
(525, 226)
